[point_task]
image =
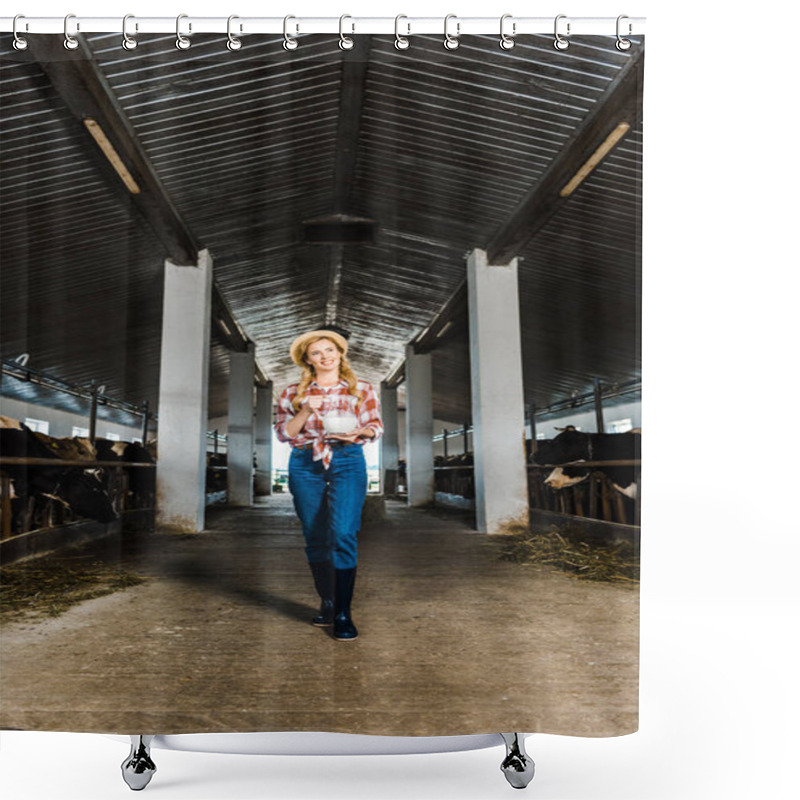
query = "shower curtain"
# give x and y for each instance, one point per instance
(468, 218)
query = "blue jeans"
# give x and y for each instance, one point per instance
(329, 502)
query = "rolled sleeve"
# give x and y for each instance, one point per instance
(370, 413)
(284, 413)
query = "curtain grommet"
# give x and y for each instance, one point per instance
(233, 44)
(19, 42)
(451, 40)
(345, 42)
(507, 39)
(401, 42)
(70, 42)
(128, 41)
(560, 43)
(623, 44)
(182, 43)
(289, 42)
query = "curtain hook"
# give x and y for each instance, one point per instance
(233, 43)
(345, 42)
(506, 40)
(289, 43)
(623, 44)
(182, 43)
(128, 42)
(70, 43)
(401, 42)
(560, 42)
(19, 42)
(451, 42)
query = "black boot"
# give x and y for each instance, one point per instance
(343, 628)
(323, 580)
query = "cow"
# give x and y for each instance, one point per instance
(76, 488)
(141, 481)
(572, 446)
(455, 481)
(216, 472)
(74, 449)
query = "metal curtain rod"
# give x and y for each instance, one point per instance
(404, 25)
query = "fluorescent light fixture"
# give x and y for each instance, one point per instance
(596, 157)
(111, 154)
(444, 330)
(224, 327)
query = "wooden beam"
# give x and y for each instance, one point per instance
(354, 76)
(81, 85)
(83, 88)
(620, 103)
(454, 308)
(351, 104)
(396, 376)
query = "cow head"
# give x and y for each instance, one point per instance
(85, 495)
(562, 477)
(569, 445)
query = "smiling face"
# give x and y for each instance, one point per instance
(324, 356)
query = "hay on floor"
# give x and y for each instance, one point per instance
(567, 551)
(48, 587)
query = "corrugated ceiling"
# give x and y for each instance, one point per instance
(444, 147)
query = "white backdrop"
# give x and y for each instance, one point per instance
(719, 598)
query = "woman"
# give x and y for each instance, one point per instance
(327, 417)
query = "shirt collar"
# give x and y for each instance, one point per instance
(342, 382)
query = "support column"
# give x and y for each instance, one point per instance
(241, 442)
(263, 483)
(389, 445)
(532, 418)
(419, 428)
(598, 406)
(183, 396)
(498, 414)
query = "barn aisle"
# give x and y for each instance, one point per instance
(217, 639)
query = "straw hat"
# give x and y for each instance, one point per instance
(299, 345)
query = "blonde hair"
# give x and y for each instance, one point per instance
(308, 375)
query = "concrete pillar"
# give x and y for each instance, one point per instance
(419, 428)
(263, 482)
(241, 441)
(598, 406)
(498, 414)
(183, 396)
(390, 449)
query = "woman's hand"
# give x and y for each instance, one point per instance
(313, 402)
(308, 406)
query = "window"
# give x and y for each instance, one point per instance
(620, 426)
(76, 431)
(114, 437)
(38, 425)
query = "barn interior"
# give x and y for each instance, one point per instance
(330, 187)
(354, 189)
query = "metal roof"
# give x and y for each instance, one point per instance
(439, 148)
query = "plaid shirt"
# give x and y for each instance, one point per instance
(338, 400)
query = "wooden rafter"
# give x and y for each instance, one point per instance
(621, 103)
(81, 85)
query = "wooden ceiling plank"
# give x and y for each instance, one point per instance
(81, 85)
(620, 103)
(83, 88)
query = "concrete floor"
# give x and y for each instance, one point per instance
(453, 640)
